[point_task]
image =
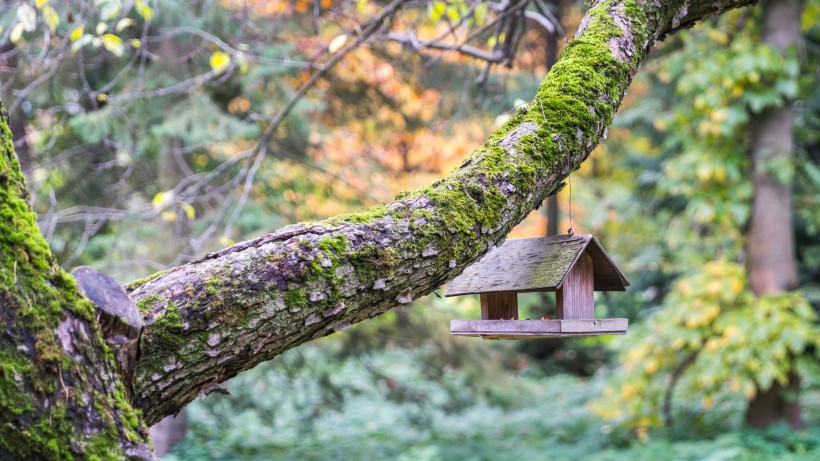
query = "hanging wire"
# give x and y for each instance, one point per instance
(570, 231)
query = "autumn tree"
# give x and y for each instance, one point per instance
(229, 310)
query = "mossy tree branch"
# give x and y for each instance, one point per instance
(227, 312)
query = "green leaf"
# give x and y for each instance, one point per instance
(480, 14)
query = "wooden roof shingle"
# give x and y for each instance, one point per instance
(537, 264)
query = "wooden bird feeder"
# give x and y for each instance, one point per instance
(571, 266)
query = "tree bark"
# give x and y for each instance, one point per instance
(60, 397)
(770, 242)
(230, 310)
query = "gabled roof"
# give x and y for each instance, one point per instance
(538, 264)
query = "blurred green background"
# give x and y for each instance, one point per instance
(139, 126)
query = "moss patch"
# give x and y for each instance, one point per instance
(36, 298)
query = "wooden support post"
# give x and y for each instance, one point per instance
(575, 299)
(501, 305)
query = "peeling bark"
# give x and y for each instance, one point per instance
(230, 310)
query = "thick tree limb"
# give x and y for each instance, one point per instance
(230, 310)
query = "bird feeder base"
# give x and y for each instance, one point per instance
(534, 329)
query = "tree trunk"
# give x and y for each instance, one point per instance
(60, 397)
(770, 243)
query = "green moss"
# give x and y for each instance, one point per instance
(333, 245)
(212, 286)
(373, 261)
(363, 216)
(296, 298)
(167, 328)
(145, 305)
(140, 282)
(36, 295)
(12, 400)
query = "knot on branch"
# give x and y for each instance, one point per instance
(119, 318)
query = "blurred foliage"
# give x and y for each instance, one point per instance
(711, 338)
(399, 387)
(142, 141)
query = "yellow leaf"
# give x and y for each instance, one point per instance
(136, 43)
(719, 115)
(169, 216)
(220, 61)
(76, 33)
(16, 32)
(123, 23)
(437, 9)
(51, 18)
(102, 97)
(113, 44)
(162, 199)
(223, 240)
(189, 211)
(337, 43)
(144, 10)
(39, 3)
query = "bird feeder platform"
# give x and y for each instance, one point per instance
(571, 266)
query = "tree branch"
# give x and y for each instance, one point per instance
(232, 309)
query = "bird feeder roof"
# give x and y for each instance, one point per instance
(537, 264)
